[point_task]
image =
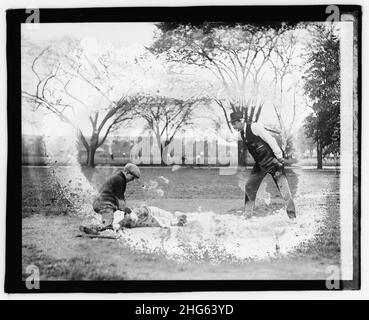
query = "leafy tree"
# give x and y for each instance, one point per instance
(322, 85)
(234, 54)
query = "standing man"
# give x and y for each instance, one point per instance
(111, 197)
(268, 158)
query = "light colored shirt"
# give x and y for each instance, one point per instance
(259, 130)
(153, 217)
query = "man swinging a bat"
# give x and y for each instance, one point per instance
(268, 159)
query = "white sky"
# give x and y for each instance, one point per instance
(115, 33)
(133, 35)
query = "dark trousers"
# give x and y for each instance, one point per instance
(106, 209)
(253, 184)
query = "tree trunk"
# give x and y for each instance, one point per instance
(87, 155)
(183, 152)
(162, 155)
(319, 155)
(92, 150)
(91, 157)
(161, 148)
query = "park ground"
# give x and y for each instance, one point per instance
(50, 225)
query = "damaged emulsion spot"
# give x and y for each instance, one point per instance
(207, 235)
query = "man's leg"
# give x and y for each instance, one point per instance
(251, 189)
(281, 181)
(107, 217)
(106, 210)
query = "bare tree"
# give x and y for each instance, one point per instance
(283, 60)
(166, 117)
(69, 83)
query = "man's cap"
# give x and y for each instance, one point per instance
(133, 170)
(236, 116)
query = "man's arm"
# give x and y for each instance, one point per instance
(260, 131)
(122, 204)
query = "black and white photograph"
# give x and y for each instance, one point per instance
(205, 144)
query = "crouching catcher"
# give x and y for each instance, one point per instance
(111, 197)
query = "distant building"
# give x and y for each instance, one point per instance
(119, 150)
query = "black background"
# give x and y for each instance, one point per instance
(250, 14)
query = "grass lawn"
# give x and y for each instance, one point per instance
(50, 223)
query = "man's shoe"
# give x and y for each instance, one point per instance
(291, 214)
(90, 230)
(182, 220)
(248, 215)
